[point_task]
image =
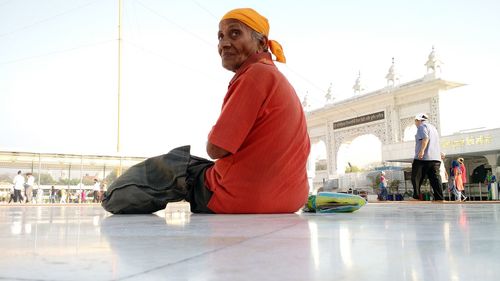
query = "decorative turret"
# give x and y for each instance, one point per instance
(305, 103)
(433, 63)
(328, 95)
(358, 87)
(392, 77)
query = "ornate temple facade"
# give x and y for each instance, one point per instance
(388, 113)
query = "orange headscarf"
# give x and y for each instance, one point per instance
(258, 23)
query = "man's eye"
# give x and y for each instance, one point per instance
(219, 37)
(235, 33)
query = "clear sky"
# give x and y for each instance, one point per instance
(59, 64)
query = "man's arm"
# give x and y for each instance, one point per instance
(216, 152)
(425, 142)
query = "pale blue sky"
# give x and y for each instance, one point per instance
(58, 64)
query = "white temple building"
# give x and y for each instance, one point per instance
(388, 114)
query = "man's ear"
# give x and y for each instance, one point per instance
(263, 43)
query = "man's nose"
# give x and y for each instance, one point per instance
(224, 43)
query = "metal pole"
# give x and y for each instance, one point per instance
(39, 168)
(118, 148)
(119, 172)
(69, 174)
(81, 170)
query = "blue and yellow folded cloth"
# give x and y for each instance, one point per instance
(333, 202)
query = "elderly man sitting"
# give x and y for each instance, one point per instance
(259, 142)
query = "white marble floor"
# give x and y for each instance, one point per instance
(398, 241)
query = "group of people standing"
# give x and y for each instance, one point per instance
(78, 196)
(455, 179)
(22, 190)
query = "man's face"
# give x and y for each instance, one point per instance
(236, 43)
(417, 122)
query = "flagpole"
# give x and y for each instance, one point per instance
(118, 145)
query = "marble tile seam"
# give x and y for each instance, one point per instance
(204, 254)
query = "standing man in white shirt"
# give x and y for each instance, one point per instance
(18, 187)
(427, 158)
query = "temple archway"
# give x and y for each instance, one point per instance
(387, 114)
(363, 152)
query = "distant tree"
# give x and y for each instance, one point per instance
(87, 181)
(68, 181)
(352, 168)
(394, 186)
(62, 181)
(374, 179)
(5, 178)
(111, 177)
(46, 179)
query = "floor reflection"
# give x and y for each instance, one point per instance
(378, 242)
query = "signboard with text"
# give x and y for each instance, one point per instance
(359, 120)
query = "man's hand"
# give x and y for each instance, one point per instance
(216, 152)
(420, 155)
(425, 142)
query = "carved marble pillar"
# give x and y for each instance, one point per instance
(392, 119)
(493, 161)
(434, 114)
(331, 150)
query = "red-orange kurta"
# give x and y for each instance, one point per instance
(262, 125)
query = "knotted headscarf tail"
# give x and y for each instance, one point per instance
(258, 23)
